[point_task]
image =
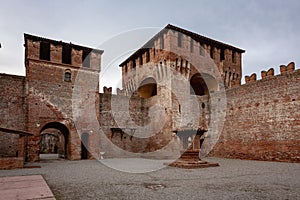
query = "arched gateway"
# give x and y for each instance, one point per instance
(54, 138)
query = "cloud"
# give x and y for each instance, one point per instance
(268, 30)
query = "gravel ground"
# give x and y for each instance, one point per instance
(234, 179)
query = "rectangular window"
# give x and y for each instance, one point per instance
(86, 58)
(141, 60)
(222, 55)
(162, 42)
(133, 64)
(201, 50)
(45, 51)
(147, 56)
(212, 52)
(179, 41)
(233, 57)
(66, 54)
(192, 45)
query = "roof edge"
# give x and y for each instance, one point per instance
(38, 38)
(184, 31)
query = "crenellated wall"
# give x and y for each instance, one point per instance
(187, 53)
(270, 73)
(263, 118)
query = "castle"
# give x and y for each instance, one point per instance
(178, 82)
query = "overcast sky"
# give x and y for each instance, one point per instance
(269, 31)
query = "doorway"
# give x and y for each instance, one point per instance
(84, 146)
(54, 141)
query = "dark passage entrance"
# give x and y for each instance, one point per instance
(54, 141)
(84, 146)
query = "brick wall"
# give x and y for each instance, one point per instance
(12, 111)
(146, 139)
(263, 120)
(54, 87)
(11, 163)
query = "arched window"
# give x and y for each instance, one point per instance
(68, 75)
(202, 84)
(148, 88)
(198, 85)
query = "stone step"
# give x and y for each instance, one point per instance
(192, 165)
(190, 155)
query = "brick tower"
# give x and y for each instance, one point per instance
(52, 71)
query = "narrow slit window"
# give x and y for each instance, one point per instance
(179, 41)
(233, 57)
(141, 60)
(212, 52)
(147, 56)
(222, 55)
(201, 50)
(181, 63)
(192, 45)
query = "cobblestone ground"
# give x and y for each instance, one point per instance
(234, 179)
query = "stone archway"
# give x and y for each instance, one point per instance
(203, 84)
(54, 138)
(148, 88)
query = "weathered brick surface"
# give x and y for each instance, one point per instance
(9, 145)
(11, 163)
(51, 96)
(262, 120)
(262, 116)
(12, 111)
(115, 114)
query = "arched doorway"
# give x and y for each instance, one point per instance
(54, 141)
(84, 146)
(202, 84)
(148, 88)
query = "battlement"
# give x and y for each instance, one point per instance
(289, 68)
(182, 49)
(270, 73)
(38, 48)
(108, 91)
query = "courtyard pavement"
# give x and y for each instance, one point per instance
(234, 179)
(24, 187)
